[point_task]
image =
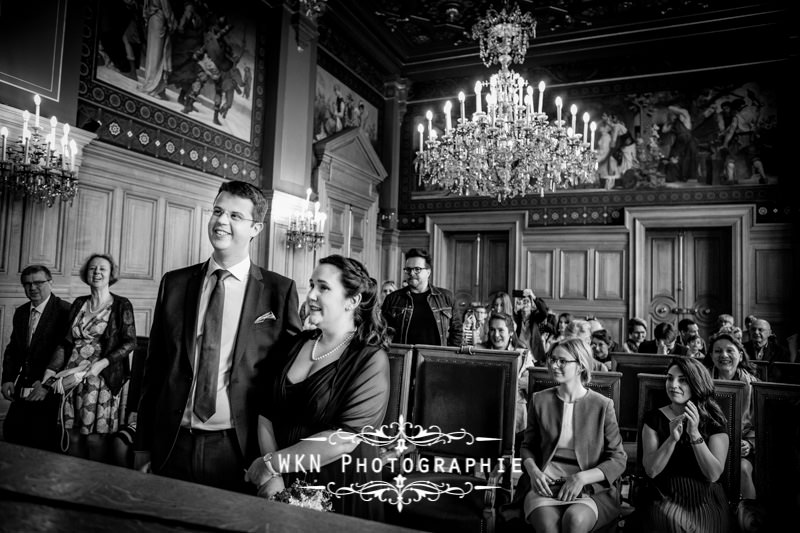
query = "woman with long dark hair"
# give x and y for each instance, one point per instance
(684, 446)
(333, 377)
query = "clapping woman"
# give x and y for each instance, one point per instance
(333, 377)
(101, 335)
(572, 452)
(684, 448)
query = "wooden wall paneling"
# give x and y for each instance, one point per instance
(541, 266)
(339, 221)
(358, 231)
(179, 232)
(772, 270)
(574, 274)
(204, 248)
(662, 266)
(142, 317)
(138, 237)
(609, 275)
(43, 236)
(93, 215)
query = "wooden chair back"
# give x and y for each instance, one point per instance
(461, 392)
(401, 359)
(777, 468)
(630, 365)
(781, 372)
(730, 395)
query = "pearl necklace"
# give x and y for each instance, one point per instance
(334, 349)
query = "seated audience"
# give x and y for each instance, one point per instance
(664, 342)
(694, 347)
(563, 321)
(686, 328)
(637, 332)
(532, 312)
(724, 321)
(684, 447)
(572, 452)
(763, 345)
(601, 348)
(501, 336)
(731, 362)
(582, 329)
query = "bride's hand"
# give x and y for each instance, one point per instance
(273, 486)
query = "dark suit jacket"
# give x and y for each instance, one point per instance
(772, 351)
(168, 370)
(117, 341)
(29, 362)
(651, 347)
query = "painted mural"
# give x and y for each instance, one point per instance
(337, 107)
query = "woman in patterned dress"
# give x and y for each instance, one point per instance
(101, 335)
(684, 446)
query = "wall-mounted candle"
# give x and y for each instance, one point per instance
(541, 96)
(308, 197)
(448, 122)
(26, 116)
(322, 218)
(593, 127)
(573, 109)
(421, 130)
(26, 137)
(73, 151)
(316, 210)
(559, 104)
(478, 87)
(4, 135)
(66, 130)
(585, 125)
(38, 101)
(570, 132)
(429, 116)
(53, 124)
(461, 99)
(64, 157)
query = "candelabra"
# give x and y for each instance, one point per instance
(33, 166)
(512, 149)
(306, 227)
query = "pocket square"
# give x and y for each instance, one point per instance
(269, 315)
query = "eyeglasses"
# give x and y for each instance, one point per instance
(233, 215)
(415, 270)
(37, 284)
(560, 363)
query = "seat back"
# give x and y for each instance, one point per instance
(606, 383)
(463, 394)
(401, 358)
(730, 396)
(777, 468)
(781, 372)
(630, 365)
(761, 370)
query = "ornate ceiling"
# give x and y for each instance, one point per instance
(417, 29)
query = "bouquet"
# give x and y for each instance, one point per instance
(298, 494)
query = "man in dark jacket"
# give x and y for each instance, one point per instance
(664, 343)
(763, 346)
(421, 313)
(39, 326)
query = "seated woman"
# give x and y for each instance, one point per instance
(572, 452)
(333, 377)
(731, 362)
(563, 321)
(684, 446)
(502, 337)
(601, 349)
(500, 302)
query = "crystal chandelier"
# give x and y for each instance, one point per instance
(306, 227)
(34, 166)
(511, 149)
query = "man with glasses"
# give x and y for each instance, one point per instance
(421, 313)
(214, 325)
(39, 325)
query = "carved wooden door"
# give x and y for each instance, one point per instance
(478, 264)
(688, 276)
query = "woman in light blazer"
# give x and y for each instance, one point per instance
(572, 452)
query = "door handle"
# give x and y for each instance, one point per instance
(684, 311)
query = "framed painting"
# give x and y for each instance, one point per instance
(337, 107)
(182, 81)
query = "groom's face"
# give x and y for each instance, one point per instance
(231, 227)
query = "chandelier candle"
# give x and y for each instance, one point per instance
(448, 121)
(593, 127)
(37, 100)
(478, 87)
(461, 98)
(541, 96)
(585, 125)
(573, 109)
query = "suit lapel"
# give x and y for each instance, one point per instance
(254, 300)
(193, 288)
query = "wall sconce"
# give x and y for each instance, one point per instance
(33, 166)
(306, 227)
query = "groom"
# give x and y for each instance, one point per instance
(214, 323)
